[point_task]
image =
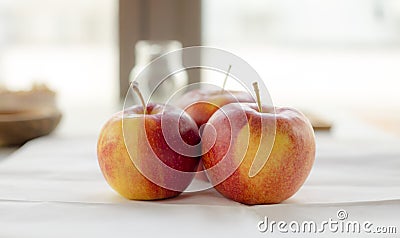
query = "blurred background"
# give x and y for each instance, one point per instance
(320, 56)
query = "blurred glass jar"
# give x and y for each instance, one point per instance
(146, 52)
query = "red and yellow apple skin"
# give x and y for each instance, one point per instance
(202, 104)
(124, 162)
(288, 164)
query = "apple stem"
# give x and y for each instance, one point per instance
(226, 78)
(135, 87)
(257, 91)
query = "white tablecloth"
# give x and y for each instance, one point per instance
(53, 187)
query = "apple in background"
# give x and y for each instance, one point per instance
(150, 151)
(289, 162)
(201, 104)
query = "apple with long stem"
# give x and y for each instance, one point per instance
(139, 160)
(237, 136)
(200, 104)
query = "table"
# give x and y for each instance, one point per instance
(6, 151)
(53, 187)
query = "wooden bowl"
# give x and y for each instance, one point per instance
(17, 127)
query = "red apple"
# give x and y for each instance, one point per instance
(200, 104)
(237, 130)
(139, 161)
